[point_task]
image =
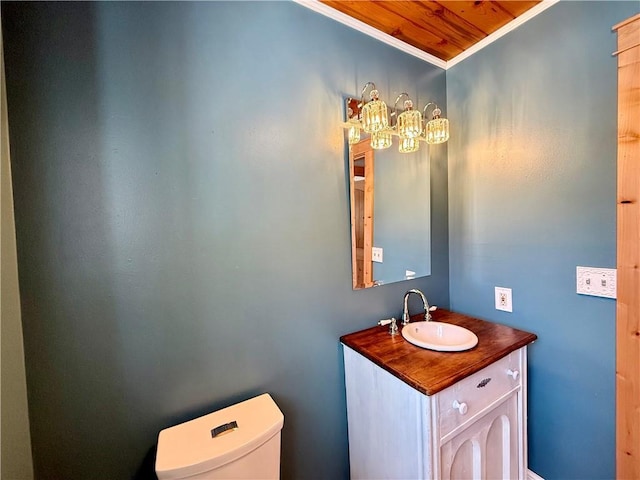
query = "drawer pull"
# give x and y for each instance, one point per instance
(483, 383)
(513, 374)
(461, 407)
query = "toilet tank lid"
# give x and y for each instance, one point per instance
(191, 447)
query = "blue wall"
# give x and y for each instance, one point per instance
(183, 235)
(532, 182)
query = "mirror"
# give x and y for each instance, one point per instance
(390, 214)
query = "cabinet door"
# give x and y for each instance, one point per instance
(487, 449)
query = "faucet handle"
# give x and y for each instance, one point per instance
(393, 328)
(427, 313)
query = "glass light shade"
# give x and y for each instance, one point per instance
(409, 145)
(381, 140)
(354, 135)
(409, 122)
(375, 116)
(437, 131)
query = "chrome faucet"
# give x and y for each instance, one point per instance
(405, 309)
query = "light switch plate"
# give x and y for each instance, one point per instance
(376, 254)
(598, 282)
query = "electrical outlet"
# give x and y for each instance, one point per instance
(376, 254)
(503, 299)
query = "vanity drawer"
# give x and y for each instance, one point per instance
(461, 402)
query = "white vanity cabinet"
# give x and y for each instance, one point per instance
(474, 428)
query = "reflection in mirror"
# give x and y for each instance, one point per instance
(390, 215)
(362, 172)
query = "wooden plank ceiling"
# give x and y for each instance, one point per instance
(441, 28)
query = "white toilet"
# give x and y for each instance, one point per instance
(238, 442)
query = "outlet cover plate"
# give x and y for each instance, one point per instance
(376, 254)
(597, 282)
(503, 299)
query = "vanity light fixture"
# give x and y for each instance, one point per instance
(354, 135)
(409, 145)
(376, 119)
(382, 139)
(375, 116)
(437, 129)
(409, 123)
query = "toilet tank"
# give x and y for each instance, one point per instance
(238, 442)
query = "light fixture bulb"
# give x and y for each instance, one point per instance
(381, 140)
(409, 145)
(437, 129)
(409, 121)
(375, 116)
(354, 135)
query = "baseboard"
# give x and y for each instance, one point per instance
(533, 476)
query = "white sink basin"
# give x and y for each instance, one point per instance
(440, 336)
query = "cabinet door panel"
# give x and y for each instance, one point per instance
(385, 419)
(501, 459)
(466, 461)
(486, 449)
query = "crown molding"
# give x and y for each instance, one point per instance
(502, 31)
(362, 27)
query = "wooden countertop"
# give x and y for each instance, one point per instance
(429, 371)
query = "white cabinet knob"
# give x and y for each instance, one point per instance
(513, 374)
(461, 407)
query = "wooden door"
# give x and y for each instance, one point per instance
(628, 252)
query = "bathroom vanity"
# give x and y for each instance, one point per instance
(422, 414)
